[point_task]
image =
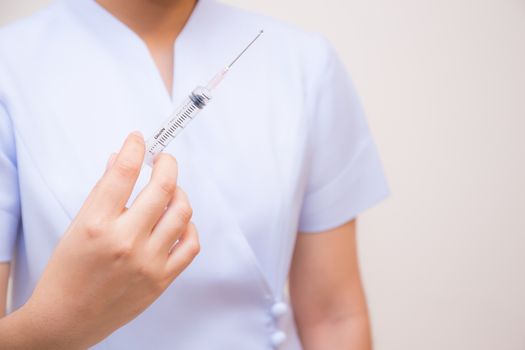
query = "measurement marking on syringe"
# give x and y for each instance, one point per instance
(166, 135)
(178, 123)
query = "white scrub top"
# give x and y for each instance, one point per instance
(282, 148)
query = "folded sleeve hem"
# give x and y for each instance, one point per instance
(360, 186)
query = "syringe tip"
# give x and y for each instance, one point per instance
(219, 76)
(246, 48)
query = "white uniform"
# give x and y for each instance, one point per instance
(283, 147)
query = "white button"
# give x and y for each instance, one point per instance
(279, 309)
(278, 338)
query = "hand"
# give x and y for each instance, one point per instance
(113, 262)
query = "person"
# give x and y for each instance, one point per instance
(272, 175)
(122, 253)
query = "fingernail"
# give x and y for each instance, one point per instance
(137, 133)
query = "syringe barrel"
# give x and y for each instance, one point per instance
(180, 118)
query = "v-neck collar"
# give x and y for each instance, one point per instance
(128, 47)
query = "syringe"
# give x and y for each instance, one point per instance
(181, 117)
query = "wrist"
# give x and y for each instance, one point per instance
(30, 327)
(16, 332)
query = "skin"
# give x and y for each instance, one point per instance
(157, 23)
(4, 278)
(325, 285)
(112, 262)
(326, 291)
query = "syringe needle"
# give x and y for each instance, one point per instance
(219, 76)
(246, 48)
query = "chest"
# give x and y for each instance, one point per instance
(244, 152)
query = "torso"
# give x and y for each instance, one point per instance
(72, 115)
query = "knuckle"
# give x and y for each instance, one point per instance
(167, 185)
(150, 273)
(127, 166)
(184, 210)
(182, 195)
(194, 248)
(174, 229)
(94, 229)
(193, 245)
(123, 249)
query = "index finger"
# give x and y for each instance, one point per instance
(110, 195)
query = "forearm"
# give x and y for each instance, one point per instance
(349, 332)
(25, 330)
(11, 332)
(326, 291)
(16, 328)
(15, 333)
(3, 304)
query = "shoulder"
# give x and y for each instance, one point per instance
(25, 32)
(27, 38)
(32, 47)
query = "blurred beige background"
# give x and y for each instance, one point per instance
(443, 82)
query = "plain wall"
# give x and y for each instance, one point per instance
(443, 83)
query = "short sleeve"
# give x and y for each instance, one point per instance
(343, 169)
(9, 194)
